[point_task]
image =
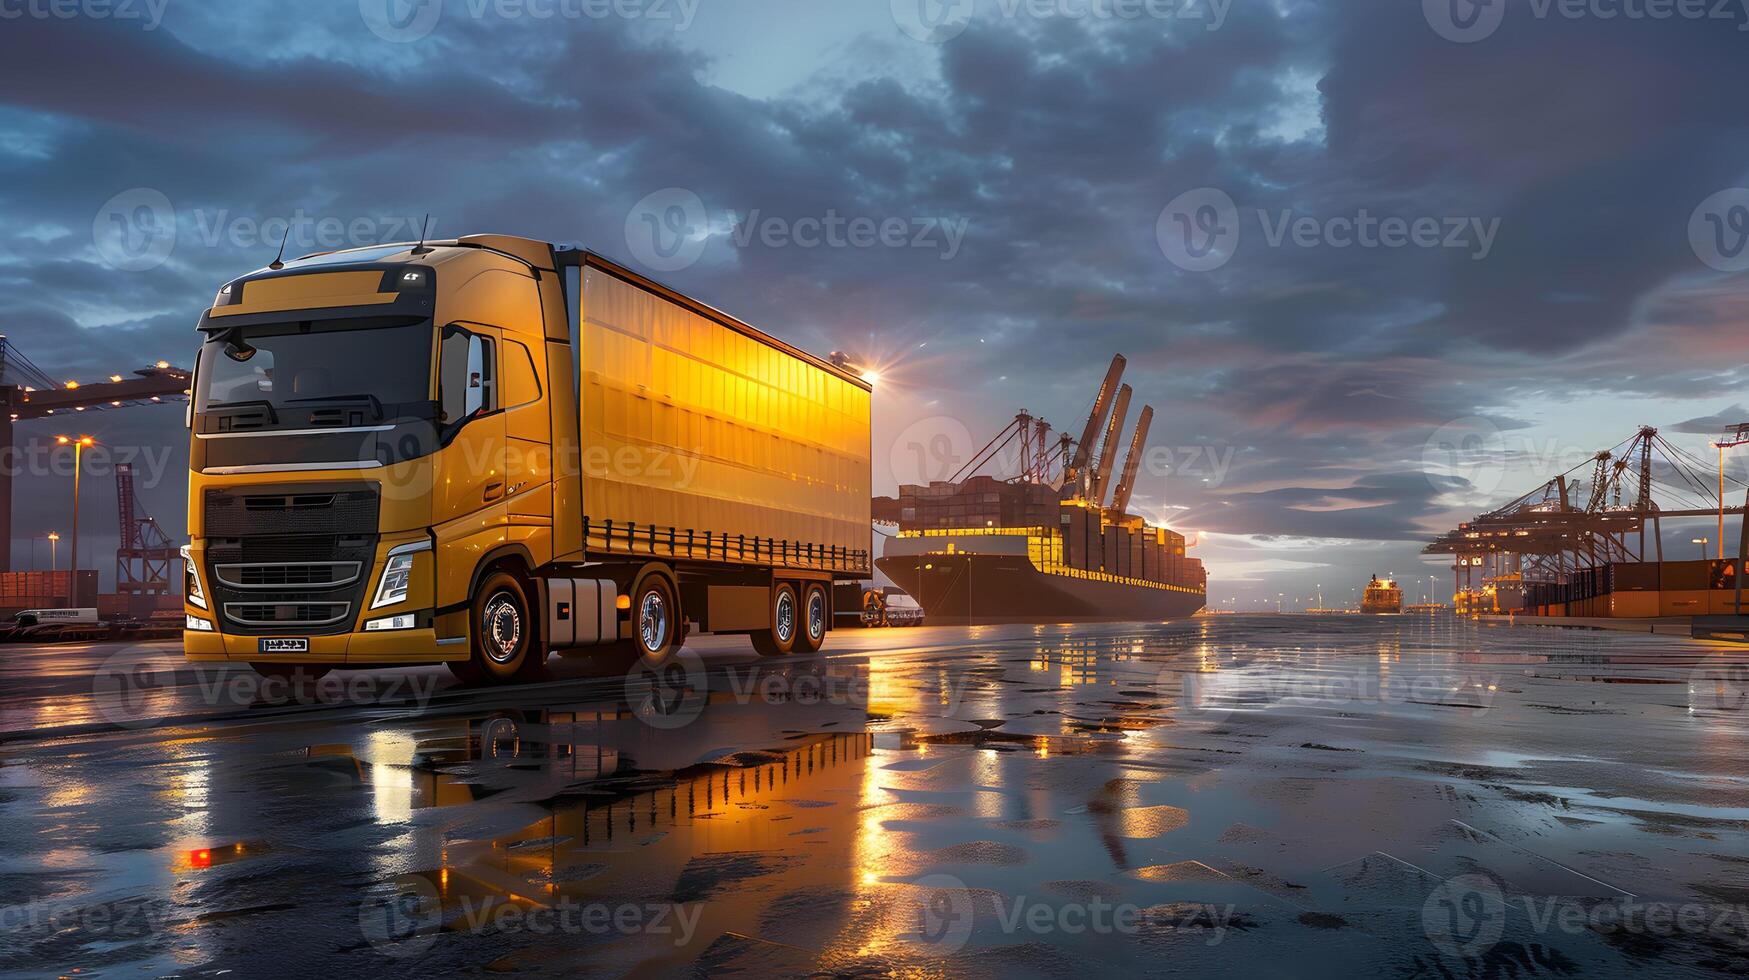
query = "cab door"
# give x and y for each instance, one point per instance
(529, 436)
(468, 498)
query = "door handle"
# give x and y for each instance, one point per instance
(494, 490)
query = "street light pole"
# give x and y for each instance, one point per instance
(78, 445)
(1737, 436)
(54, 547)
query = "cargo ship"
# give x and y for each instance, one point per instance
(1381, 597)
(1046, 546)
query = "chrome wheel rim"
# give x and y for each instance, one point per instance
(816, 616)
(652, 621)
(784, 624)
(501, 628)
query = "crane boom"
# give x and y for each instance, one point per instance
(1120, 500)
(1078, 463)
(1108, 447)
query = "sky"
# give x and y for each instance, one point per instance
(1334, 240)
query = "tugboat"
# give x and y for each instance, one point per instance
(1381, 597)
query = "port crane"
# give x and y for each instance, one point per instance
(1086, 466)
(27, 393)
(1570, 523)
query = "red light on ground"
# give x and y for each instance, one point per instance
(202, 858)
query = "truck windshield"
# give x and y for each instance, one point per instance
(297, 366)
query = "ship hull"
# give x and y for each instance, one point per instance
(994, 588)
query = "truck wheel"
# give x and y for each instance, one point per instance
(502, 634)
(656, 628)
(816, 612)
(786, 622)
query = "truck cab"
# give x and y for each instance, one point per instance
(387, 467)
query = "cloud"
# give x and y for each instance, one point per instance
(1712, 425)
(1318, 372)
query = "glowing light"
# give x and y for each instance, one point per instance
(115, 377)
(871, 376)
(163, 364)
(71, 385)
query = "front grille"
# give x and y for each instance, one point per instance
(292, 556)
(305, 574)
(351, 509)
(285, 614)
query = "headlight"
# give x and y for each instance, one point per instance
(397, 577)
(198, 625)
(405, 621)
(191, 581)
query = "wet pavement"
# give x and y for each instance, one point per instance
(1266, 796)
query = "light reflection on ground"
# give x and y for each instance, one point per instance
(1398, 796)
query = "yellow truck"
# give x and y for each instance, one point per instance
(485, 450)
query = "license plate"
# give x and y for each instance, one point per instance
(284, 644)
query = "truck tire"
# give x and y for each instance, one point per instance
(656, 627)
(786, 623)
(816, 618)
(501, 633)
